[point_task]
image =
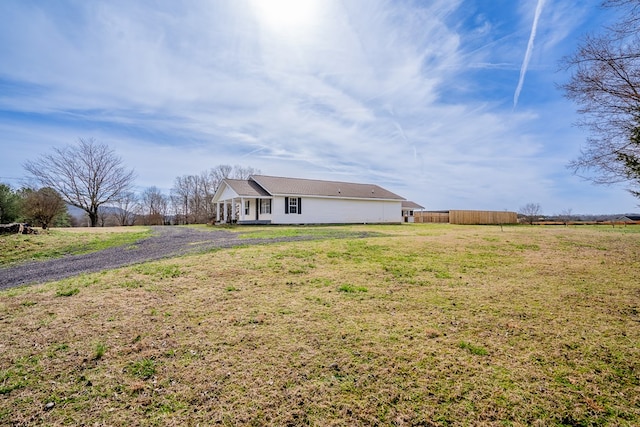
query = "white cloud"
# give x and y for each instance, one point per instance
(527, 54)
(370, 91)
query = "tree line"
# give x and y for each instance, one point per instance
(92, 177)
(190, 200)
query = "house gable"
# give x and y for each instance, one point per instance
(224, 192)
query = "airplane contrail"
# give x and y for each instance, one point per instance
(527, 55)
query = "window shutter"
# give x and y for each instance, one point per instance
(286, 205)
(299, 205)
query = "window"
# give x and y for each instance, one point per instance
(293, 205)
(265, 206)
(247, 207)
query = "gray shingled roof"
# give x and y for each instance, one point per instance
(246, 188)
(310, 187)
(407, 204)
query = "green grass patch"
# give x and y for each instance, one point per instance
(159, 270)
(527, 246)
(67, 292)
(22, 373)
(143, 369)
(314, 232)
(15, 249)
(99, 350)
(351, 289)
(473, 349)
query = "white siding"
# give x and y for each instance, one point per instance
(251, 216)
(227, 194)
(316, 210)
(265, 216)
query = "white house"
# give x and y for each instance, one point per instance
(276, 200)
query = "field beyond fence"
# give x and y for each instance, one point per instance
(413, 324)
(612, 223)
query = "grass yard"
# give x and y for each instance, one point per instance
(420, 325)
(57, 242)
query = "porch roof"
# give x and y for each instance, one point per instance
(244, 188)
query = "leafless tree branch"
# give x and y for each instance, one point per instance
(87, 175)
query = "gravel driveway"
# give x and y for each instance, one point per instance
(166, 242)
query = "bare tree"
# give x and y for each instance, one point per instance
(196, 204)
(155, 205)
(220, 172)
(127, 207)
(181, 194)
(103, 215)
(43, 206)
(189, 198)
(87, 175)
(531, 212)
(241, 172)
(606, 86)
(566, 216)
(209, 188)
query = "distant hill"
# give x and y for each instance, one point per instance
(80, 215)
(75, 212)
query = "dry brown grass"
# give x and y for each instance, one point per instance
(99, 230)
(429, 325)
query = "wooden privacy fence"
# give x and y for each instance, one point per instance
(424, 216)
(467, 217)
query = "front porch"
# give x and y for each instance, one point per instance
(243, 211)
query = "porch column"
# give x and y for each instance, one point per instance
(224, 212)
(233, 209)
(241, 208)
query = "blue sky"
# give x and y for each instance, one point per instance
(452, 104)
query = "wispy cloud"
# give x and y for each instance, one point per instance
(402, 94)
(527, 54)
